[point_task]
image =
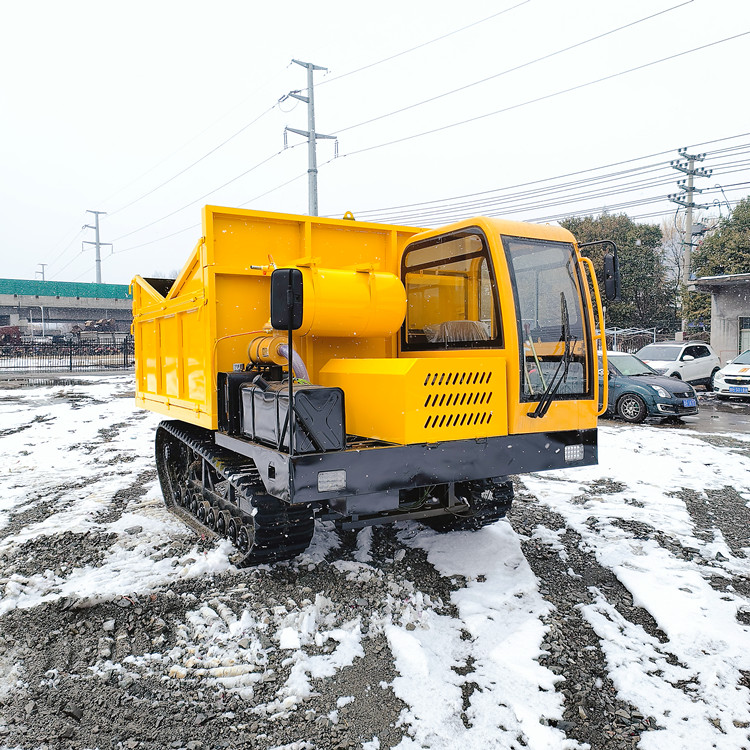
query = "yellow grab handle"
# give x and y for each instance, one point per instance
(600, 337)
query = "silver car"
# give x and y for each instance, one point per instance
(692, 361)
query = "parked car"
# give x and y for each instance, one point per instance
(692, 361)
(734, 378)
(636, 391)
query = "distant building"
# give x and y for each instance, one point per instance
(730, 312)
(63, 305)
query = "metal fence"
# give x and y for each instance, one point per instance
(632, 340)
(68, 356)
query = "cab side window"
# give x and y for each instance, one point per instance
(451, 296)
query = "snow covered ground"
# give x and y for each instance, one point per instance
(120, 628)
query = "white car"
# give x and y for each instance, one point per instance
(734, 378)
(691, 361)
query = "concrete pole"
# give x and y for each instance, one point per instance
(312, 156)
(686, 200)
(688, 242)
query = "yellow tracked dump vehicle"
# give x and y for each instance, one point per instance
(423, 369)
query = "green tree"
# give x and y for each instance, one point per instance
(647, 298)
(724, 251)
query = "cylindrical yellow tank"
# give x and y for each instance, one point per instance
(351, 303)
(264, 350)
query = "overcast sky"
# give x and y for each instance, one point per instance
(124, 107)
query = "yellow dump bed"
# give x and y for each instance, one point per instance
(200, 325)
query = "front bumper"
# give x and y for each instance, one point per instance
(740, 389)
(672, 409)
(389, 468)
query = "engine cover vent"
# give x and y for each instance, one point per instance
(422, 400)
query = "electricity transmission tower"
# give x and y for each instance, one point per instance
(96, 242)
(311, 135)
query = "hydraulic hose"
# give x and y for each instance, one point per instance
(297, 365)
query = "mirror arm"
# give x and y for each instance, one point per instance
(611, 269)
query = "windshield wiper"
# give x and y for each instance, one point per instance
(564, 364)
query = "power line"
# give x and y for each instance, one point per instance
(564, 176)
(438, 209)
(544, 189)
(513, 69)
(520, 185)
(74, 258)
(329, 80)
(195, 137)
(423, 44)
(197, 226)
(618, 206)
(197, 161)
(158, 187)
(488, 197)
(544, 97)
(450, 214)
(206, 195)
(158, 239)
(273, 190)
(548, 196)
(553, 195)
(67, 247)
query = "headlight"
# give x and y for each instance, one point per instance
(661, 370)
(719, 376)
(661, 391)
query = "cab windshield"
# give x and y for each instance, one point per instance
(551, 322)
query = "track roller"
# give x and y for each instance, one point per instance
(211, 515)
(233, 530)
(203, 509)
(223, 517)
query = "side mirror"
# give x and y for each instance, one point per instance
(611, 277)
(286, 299)
(687, 357)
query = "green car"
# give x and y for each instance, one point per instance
(636, 391)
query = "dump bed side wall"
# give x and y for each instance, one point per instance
(171, 344)
(218, 302)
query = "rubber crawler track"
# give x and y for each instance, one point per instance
(277, 530)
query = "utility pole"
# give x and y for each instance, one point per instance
(42, 271)
(311, 135)
(96, 242)
(686, 164)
